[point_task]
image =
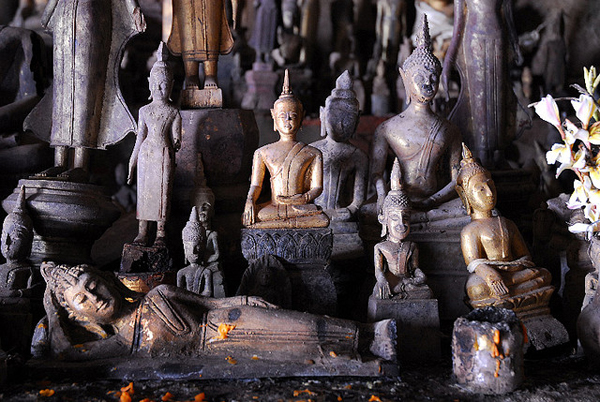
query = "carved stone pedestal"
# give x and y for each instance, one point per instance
(305, 254)
(202, 98)
(261, 82)
(418, 324)
(143, 268)
(441, 259)
(347, 244)
(67, 217)
(487, 351)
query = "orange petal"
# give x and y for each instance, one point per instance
(200, 397)
(167, 397)
(46, 392)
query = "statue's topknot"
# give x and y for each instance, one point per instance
(422, 56)
(161, 69)
(396, 198)
(194, 230)
(286, 93)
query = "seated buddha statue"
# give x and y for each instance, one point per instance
(427, 146)
(397, 259)
(344, 165)
(18, 277)
(296, 171)
(493, 248)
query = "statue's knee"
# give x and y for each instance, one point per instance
(477, 289)
(546, 276)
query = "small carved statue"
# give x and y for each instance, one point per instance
(18, 278)
(344, 165)
(426, 145)
(390, 26)
(493, 248)
(87, 109)
(296, 171)
(158, 138)
(265, 28)
(211, 251)
(195, 277)
(91, 315)
(397, 259)
(200, 33)
(291, 50)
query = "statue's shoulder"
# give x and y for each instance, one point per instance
(450, 129)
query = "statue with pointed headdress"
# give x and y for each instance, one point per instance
(427, 146)
(158, 138)
(296, 171)
(18, 278)
(196, 277)
(502, 272)
(344, 165)
(397, 259)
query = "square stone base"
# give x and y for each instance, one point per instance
(305, 255)
(418, 326)
(202, 98)
(545, 331)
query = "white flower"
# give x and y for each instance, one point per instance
(547, 109)
(584, 108)
(581, 190)
(574, 133)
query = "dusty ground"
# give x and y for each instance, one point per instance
(565, 378)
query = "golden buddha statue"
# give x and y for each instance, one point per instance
(296, 171)
(200, 33)
(502, 272)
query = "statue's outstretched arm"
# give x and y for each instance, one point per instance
(379, 151)
(256, 179)
(360, 182)
(142, 132)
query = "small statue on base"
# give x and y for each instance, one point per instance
(296, 171)
(18, 278)
(344, 165)
(158, 138)
(501, 268)
(202, 276)
(200, 34)
(397, 259)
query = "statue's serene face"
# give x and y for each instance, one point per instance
(287, 117)
(14, 244)
(481, 192)
(94, 298)
(423, 84)
(160, 89)
(192, 251)
(397, 222)
(340, 120)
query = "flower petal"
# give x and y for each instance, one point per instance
(584, 109)
(547, 109)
